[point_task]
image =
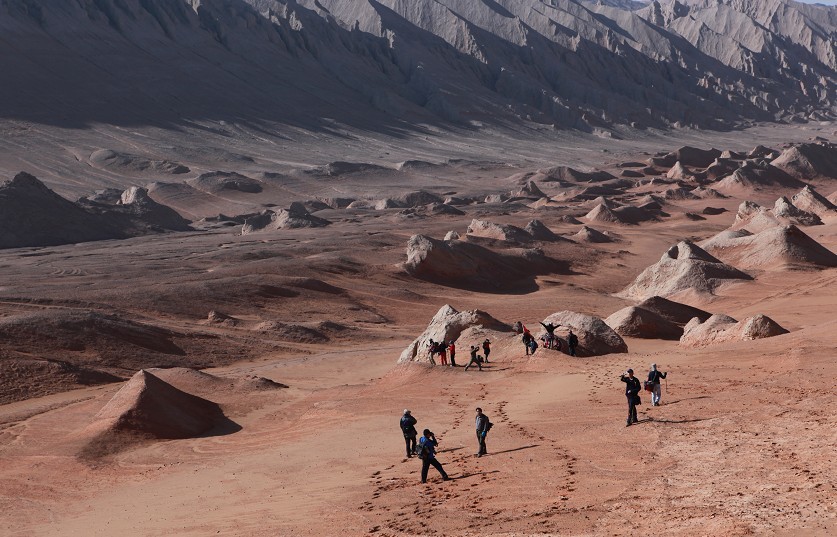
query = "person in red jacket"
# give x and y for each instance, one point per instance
(452, 351)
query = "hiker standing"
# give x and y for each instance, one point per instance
(452, 350)
(632, 388)
(483, 425)
(486, 349)
(654, 377)
(408, 427)
(527, 339)
(572, 342)
(474, 358)
(427, 454)
(431, 350)
(442, 349)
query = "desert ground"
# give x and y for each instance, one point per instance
(295, 334)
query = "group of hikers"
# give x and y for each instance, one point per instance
(425, 447)
(444, 350)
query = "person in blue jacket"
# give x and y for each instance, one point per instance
(427, 452)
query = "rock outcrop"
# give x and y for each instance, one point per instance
(808, 161)
(33, 215)
(684, 267)
(808, 199)
(722, 328)
(448, 325)
(295, 217)
(501, 232)
(634, 321)
(468, 265)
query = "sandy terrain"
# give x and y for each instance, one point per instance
(742, 445)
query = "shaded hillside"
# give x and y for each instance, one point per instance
(394, 64)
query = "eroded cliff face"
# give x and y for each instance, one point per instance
(394, 64)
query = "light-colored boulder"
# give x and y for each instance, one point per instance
(502, 232)
(722, 328)
(448, 325)
(295, 217)
(808, 199)
(595, 337)
(783, 208)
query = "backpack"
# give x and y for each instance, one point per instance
(489, 426)
(421, 449)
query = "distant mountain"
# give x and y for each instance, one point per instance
(390, 65)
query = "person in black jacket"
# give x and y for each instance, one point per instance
(408, 427)
(572, 343)
(482, 431)
(654, 377)
(632, 388)
(475, 360)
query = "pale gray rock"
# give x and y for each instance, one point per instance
(722, 328)
(448, 325)
(595, 338)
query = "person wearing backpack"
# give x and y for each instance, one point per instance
(572, 342)
(654, 377)
(427, 454)
(533, 345)
(483, 426)
(452, 350)
(486, 349)
(408, 428)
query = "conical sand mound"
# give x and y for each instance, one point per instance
(684, 267)
(641, 323)
(145, 408)
(588, 234)
(812, 201)
(601, 213)
(776, 247)
(540, 232)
